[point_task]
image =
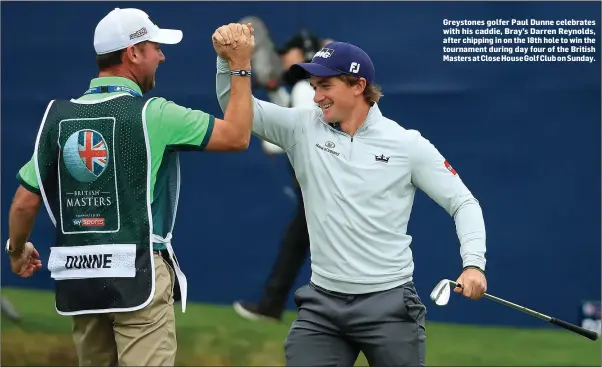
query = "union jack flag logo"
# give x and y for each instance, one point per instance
(93, 151)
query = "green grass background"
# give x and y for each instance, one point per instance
(210, 335)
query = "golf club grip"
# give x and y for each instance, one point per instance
(574, 328)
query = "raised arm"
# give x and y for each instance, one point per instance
(281, 126)
(233, 133)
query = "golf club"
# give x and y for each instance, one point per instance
(442, 291)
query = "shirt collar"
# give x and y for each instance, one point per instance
(115, 80)
(374, 114)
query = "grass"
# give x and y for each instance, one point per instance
(216, 336)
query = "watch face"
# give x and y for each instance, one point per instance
(7, 248)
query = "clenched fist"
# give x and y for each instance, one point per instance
(234, 42)
(473, 282)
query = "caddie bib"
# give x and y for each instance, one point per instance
(93, 164)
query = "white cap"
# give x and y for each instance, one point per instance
(125, 27)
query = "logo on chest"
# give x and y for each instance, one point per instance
(381, 158)
(329, 147)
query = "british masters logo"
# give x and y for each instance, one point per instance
(86, 155)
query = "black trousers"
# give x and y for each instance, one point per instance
(292, 254)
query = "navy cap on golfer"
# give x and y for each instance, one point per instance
(338, 58)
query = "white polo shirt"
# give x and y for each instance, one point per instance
(302, 95)
(358, 192)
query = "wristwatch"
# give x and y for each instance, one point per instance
(241, 72)
(7, 248)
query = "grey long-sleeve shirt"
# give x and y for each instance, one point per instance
(358, 192)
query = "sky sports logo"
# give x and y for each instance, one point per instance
(89, 222)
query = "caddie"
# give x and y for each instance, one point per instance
(106, 167)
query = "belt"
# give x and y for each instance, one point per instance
(350, 295)
(333, 293)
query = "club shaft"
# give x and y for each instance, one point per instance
(577, 329)
(514, 305)
(518, 307)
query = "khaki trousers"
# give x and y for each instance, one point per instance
(146, 337)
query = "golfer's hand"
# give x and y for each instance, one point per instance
(473, 282)
(234, 42)
(27, 263)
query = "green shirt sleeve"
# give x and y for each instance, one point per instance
(28, 178)
(178, 127)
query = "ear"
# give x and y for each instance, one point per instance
(360, 86)
(133, 54)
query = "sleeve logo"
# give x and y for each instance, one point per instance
(450, 168)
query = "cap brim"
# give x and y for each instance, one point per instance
(316, 69)
(168, 36)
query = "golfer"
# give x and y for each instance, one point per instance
(106, 167)
(358, 172)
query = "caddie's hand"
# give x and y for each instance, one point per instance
(221, 39)
(223, 36)
(26, 263)
(239, 55)
(235, 43)
(473, 282)
(228, 34)
(247, 39)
